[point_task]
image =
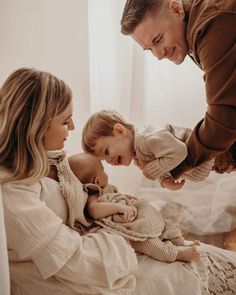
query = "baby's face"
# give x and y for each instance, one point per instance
(115, 149)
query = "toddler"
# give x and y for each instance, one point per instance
(156, 151)
(133, 218)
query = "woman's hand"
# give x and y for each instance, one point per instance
(128, 213)
(172, 184)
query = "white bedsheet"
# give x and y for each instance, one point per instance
(160, 278)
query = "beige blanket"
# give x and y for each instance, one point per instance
(147, 224)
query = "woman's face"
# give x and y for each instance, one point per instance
(58, 131)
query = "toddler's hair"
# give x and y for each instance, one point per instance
(101, 124)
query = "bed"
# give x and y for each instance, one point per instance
(156, 278)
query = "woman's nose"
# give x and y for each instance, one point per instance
(71, 125)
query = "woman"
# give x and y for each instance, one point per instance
(47, 256)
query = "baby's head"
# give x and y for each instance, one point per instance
(109, 136)
(88, 169)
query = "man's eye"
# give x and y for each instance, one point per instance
(158, 39)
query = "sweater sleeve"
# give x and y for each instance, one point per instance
(216, 132)
(167, 150)
(93, 263)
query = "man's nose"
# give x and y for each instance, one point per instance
(158, 52)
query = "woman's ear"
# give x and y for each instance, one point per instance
(119, 129)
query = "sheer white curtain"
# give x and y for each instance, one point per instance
(116, 75)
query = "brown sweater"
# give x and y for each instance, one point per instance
(211, 35)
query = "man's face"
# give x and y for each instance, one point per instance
(164, 33)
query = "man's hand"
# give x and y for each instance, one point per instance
(231, 168)
(172, 184)
(225, 162)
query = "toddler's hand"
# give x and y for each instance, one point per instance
(129, 213)
(172, 184)
(147, 175)
(140, 163)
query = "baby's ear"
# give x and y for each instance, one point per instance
(119, 129)
(96, 180)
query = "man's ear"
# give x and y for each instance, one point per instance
(119, 129)
(177, 8)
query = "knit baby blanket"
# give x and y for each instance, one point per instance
(147, 224)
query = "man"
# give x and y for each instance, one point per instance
(206, 31)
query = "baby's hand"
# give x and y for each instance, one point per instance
(129, 213)
(172, 184)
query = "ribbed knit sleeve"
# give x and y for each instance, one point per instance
(199, 173)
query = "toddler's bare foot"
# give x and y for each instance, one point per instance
(188, 254)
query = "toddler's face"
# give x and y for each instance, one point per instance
(116, 150)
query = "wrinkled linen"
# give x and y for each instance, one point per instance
(48, 257)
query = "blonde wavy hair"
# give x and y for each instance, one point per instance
(29, 100)
(101, 124)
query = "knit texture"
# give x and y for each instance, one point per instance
(72, 190)
(164, 149)
(148, 233)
